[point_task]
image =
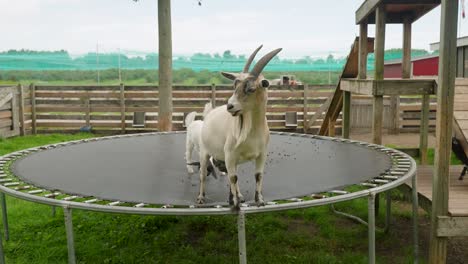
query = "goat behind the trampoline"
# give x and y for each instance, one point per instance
(238, 132)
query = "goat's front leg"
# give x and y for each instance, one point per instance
(259, 168)
(231, 167)
(203, 171)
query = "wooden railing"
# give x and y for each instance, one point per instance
(111, 108)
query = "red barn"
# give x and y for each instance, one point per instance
(421, 66)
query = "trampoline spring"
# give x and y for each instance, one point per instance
(192, 206)
(338, 192)
(69, 198)
(397, 173)
(390, 177)
(245, 205)
(91, 201)
(11, 184)
(271, 203)
(5, 180)
(114, 203)
(367, 184)
(167, 206)
(20, 188)
(35, 191)
(380, 181)
(3, 175)
(52, 195)
(317, 196)
(295, 200)
(142, 205)
(398, 169)
(218, 206)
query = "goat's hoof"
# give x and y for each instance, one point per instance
(260, 203)
(235, 207)
(200, 200)
(241, 199)
(190, 170)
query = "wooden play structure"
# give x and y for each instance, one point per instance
(445, 223)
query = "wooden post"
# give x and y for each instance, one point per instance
(213, 95)
(306, 109)
(424, 129)
(331, 127)
(33, 109)
(15, 113)
(122, 108)
(379, 73)
(362, 51)
(165, 66)
(445, 99)
(88, 110)
(21, 110)
(346, 114)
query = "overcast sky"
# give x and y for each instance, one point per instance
(300, 27)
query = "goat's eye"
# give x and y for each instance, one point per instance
(248, 88)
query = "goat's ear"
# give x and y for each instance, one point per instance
(230, 75)
(265, 83)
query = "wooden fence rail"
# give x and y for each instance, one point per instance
(111, 108)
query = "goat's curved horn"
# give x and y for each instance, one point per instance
(263, 62)
(250, 60)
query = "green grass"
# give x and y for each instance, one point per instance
(312, 235)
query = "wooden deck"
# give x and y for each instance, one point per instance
(458, 193)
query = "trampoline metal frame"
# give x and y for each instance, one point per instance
(403, 169)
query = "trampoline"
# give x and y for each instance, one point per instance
(146, 174)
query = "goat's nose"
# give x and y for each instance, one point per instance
(230, 106)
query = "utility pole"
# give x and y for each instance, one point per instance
(120, 73)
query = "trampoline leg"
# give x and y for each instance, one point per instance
(371, 228)
(5, 216)
(241, 237)
(415, 219)
(388, 214)
(2, 254)
(67, 212)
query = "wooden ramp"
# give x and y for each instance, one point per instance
(458, 190)
(460, 122)
(349, 71)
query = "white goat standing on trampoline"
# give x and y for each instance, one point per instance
(238, 132)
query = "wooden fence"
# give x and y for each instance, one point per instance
(110, 109)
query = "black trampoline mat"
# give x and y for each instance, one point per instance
(151, 169)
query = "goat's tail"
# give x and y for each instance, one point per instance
(189, 118)
(208, 108)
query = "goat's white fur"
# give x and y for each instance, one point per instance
(193, 135)
(240, 132)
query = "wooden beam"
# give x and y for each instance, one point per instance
(165, 65)
(346, 114)
(33, 109)
(21, 110)
(365, 9)
(362, 51)
(5, 97)
(379, 52)
(122, 108)
(306, 109)
(424, 129)
(445, 99)
(452, 226)
(389, 86)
